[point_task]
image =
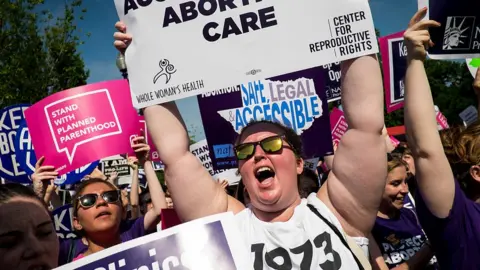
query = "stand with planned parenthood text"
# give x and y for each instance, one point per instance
(210, 243)
(184, 48)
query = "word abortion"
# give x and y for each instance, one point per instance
(293, 103)
(70, 128)
(345, 39)
(191, 10)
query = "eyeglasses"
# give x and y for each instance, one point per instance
(89, 200)
(270, 145)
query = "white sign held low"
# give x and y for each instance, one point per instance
(188, 47)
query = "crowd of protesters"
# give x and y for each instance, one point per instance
(350, 213)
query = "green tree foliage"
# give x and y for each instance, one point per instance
(38, 51)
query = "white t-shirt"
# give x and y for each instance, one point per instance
(304, 242)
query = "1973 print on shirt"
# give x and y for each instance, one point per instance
(185, 48)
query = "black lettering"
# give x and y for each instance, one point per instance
(230, 28)
(206, 32)
(278, 252)
(267, 17)
(188, 11)
(170, 17)
(144, 3)
(226, 3)
(324, 242)
(307, 251)
(258, 250)
(211, 9)
(129, 5)
(249, 21)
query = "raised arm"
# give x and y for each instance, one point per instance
(357, 181)
(193, 190)
(134, 201)
(433, 173)
(152, 217)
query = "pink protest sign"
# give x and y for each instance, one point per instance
(442, 121)
(394, 65)
(84, 124)
(142, 125)
(338, 125)
(394, 141)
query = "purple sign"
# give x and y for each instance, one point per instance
(206, 247)
(297, 100)
(333, 74)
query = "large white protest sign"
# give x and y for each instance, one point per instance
(209, 243)
(188, 47)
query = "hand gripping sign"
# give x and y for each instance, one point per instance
(10, 119)
(26, 158)
(84, 124)
(142, 125)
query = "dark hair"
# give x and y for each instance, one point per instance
(12, 190)
(239, 193)
(308, 183)
(291, 136)
(81, 187)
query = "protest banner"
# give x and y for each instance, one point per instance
(394, 65)
(116, 164)
(201, 150)
(458, 37)
(394, 141)
(27, 159)
(333, 89)
(10, 119)
(62, 220)
(212, 242)
(75, 127)
(442, 122)
(268, 38)
(297, 100)
(142, 125)
(473, 65)
(169, 219)
(338, 125)
(469, 115)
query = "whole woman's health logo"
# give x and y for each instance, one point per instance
(166, 70)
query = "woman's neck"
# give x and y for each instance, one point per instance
(387, 212)
(279, 216)
(101, 243)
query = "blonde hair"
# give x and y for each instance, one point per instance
(395, 161)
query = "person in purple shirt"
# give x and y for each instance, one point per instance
(98, 211)
(398, 240)
(448, 188)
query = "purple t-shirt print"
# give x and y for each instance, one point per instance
(129, 229)
(400, 239)
(456, 238)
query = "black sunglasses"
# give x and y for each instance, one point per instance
(89, 200)
(270, 145)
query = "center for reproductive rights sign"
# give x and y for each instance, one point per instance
(86, 123)
(71, 126)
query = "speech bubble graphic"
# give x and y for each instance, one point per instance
(80, 119)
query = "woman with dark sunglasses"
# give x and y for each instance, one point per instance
(281, 230)
(98, 211)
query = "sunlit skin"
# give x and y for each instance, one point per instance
(280, 192)
(89, 219)
(395, 191)
(27, 235)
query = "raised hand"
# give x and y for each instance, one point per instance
(141, 148)
(223, 184)
(43, 173)
(133, 162)
(417, 37)
(122, 39)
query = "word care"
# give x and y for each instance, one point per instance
(269, 38)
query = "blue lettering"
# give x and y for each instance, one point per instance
(286, 110)
(309, 118)
(314, 101)
(244, 95)
(239, 124)
(259, 87)
(292, 110)
(252, 98)
(246, 119)
(275, 112)
(299, 114)
(266, 112)
(258, 109)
